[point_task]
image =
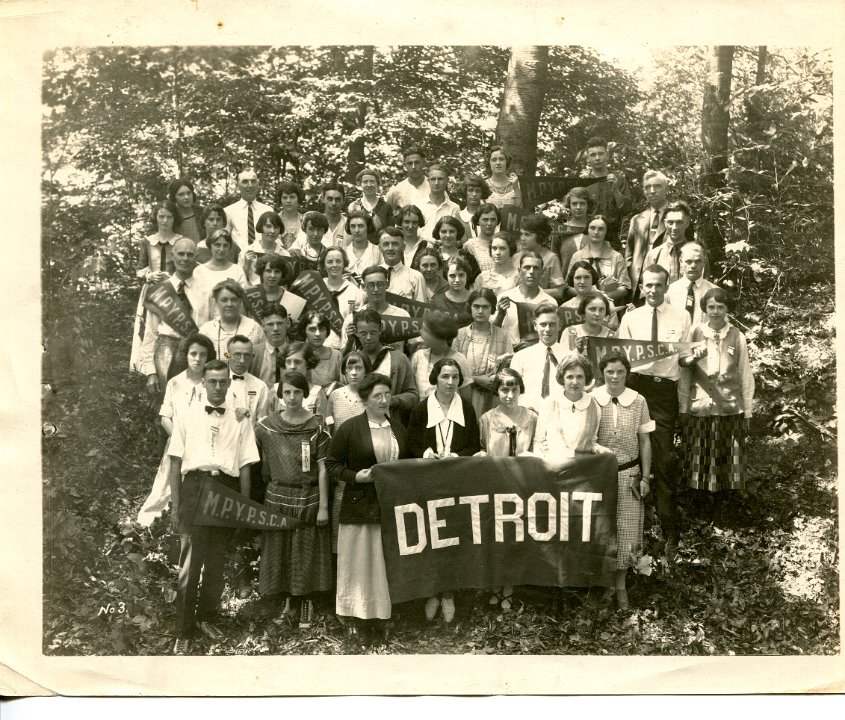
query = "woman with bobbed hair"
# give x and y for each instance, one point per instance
(220, 266)
(214, 218)
(610, 264)
(289, 198)
(476, 191)
(371, 203)
(269, 227)
(503, 182)
(444, 425)
(357, 445)
(569, 424)
(362, 251)
(432, 268)
(593, 307)
(182, 193)
(482, 343)
(450, 232)
(315, 328)
(346, 295)
(502, 275)
(572, 235)
(454, 298)
(410, 219)
(228, 300)
(625, 429)
(155, 259)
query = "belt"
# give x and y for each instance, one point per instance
(212, 473)
(628, 465)
(652, 378)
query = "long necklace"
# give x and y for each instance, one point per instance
(220, 352)
(478, 367)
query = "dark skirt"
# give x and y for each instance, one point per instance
(713, 452)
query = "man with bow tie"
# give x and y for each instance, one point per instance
(208, 441)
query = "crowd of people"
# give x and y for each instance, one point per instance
(285, 410)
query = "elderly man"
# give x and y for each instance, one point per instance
(686, 292)
(403, 280)
(243, 214)
(657, 382)
(647, 228)
(611, 198)
(414, 189)
(668, 254)
(157, 358)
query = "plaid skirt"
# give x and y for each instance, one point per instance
(713, 452)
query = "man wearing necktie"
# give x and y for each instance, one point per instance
(404, 281)
(647, 229)
(686, 292)
(208, 441)
(537, 364)
(657, 382)
(242, 215)
(678, 231)
(275, 322)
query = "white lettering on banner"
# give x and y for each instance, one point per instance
(551, 506)
(515, 517)
(474, 501)
(262, 517)
(588, 499)
(211, 501)
(250, 516)
(564, 516)
(435, 523)
(399, 512)
(228, 504)
(524, 515)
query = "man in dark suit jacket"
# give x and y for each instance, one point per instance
(647, 229)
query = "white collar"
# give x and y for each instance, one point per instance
(626, 397)
(581, 404)
(157, 240)
(175, 280)
(709, 332)
(378, 426)
(435, 412)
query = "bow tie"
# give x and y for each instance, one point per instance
(213, 408)
(237, 377)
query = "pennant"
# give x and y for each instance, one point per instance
(310, 286)
(638, 352)
(539, 189)
(163, 301)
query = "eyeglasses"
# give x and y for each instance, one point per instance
(380, 397)
(378, 285)
(241, 355)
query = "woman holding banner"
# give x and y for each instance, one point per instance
(155, 262)
(584, 279)
(625, 429)
(270, 226)
(594, 308)
(482, 343)
(507, 431)
(357, 445)
(346, 295)
(293, 445)
(443, 426)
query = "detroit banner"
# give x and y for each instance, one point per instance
(212, 503)
(484, 522)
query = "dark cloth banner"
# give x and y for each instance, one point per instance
(416, 309)
(483, 522)
(212, 503)
(511, 218)
(638, 352)
(539, 189)
(310, 286)
(254, 303)
(395, 328)
(162, 300)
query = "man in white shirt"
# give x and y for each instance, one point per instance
(159, 347)
(686, 292)
(208, 441)
(241, 216)
(404, 281)
(437, 204)
(374, 283)
(275, 323)
(657, 382)
(538, 363)
(527, 291)
(647, 229)
(414, 189)
(248, 395)
(332, 208)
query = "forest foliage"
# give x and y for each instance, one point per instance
(119, 123)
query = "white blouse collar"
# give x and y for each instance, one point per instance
(709, 332)
(377, 426)
(603, 398)
(435, 412)
(581, 404)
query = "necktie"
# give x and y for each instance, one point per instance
(550, 360)
(655, 223)
(511, 431)
(615, 401)
(213, 408)
(596, 265)
(162, 263)
(180, 291)
(389, 273)
(654, 325)
(250, 227)
(277, 362)
(690, 303)
(237, 377)
(675, 253)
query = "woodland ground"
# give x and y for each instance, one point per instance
(764, 582)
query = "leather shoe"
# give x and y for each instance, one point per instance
(182, 646)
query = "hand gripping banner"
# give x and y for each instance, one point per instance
(164, 301)
(482, 522)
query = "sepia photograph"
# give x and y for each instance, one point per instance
(431, 365)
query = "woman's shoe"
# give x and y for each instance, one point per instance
(507, 594)
(431, 606)
(448, 607)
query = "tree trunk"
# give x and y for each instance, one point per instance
(522, 103)
(762, 56)
(715, 115)
(356, 157)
